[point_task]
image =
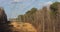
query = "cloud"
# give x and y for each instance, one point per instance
(18, 0)
(47, 3)
(42, 4)
(58, 0)
(21, 0)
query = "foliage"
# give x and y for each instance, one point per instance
(54, 6)
(20, 17)
(4, 27)
(33, 10)
(42, 18)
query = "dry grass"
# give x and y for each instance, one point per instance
(22, 27)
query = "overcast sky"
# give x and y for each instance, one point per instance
(13, 8)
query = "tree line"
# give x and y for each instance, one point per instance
(43, 20)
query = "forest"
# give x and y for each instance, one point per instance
(46, 19)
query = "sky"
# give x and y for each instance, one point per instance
(13, 8)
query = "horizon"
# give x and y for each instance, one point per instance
(13, 8)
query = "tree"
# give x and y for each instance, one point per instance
(21, 18)
(54, 6)
(4, 27)
(55, 15)
(33, 10)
